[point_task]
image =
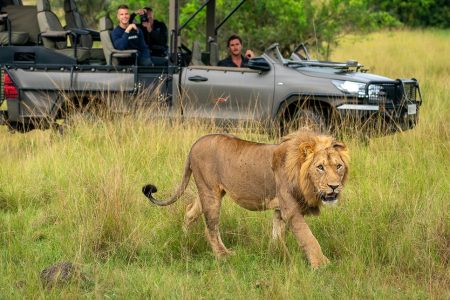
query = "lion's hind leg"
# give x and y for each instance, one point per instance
(193, 211)
(279, 226)
(211, 202)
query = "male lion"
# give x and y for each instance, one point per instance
(293, 178)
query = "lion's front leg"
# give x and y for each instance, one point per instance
(307, 241)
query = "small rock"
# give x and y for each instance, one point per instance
(261, 284)
(60, 274)
(20, 284)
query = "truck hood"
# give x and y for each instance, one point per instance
(336, 74)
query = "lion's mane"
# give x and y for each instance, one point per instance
(301, 147)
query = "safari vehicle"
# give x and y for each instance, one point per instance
(42, 77)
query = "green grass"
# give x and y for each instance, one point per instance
(77, 198)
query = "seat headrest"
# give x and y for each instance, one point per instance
(213, 54)
(69, 5)
(43, 5)
(105, 23)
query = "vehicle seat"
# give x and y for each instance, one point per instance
(7, 36)
(23, 25)
(53, 34)
(112, 55)
(75, 20)
(213, 53)
(196, 59)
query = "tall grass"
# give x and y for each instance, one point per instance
(76, 197)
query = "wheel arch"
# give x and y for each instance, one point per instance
(294, 102)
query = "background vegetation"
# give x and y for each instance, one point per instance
(77, 198)
(319, 23)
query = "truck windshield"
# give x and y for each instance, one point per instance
(274, 53)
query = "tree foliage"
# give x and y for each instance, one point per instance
(92, 10)
(288, 22)
(262, 22)
(416, 13)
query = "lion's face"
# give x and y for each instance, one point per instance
(317, 165)
(327, 172)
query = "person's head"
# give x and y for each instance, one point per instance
(234, 44)
(149, 11)
(147, 17)
(123, 15)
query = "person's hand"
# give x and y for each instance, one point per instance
(131, 27)
(249, 53)
(140, 11)
(147, 25)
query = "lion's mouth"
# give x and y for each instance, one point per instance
(329, 198)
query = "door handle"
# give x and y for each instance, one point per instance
(197, 78)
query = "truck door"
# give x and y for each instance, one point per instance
(227, 93)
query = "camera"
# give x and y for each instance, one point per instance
(144, 17)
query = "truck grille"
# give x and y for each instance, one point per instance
(411, 91)
(393, 93)
(384, 92)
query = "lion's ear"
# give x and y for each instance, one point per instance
(339, 146)
(306, 148)
(342, 150)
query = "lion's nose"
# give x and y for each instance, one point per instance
(333, 187)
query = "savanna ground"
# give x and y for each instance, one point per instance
(76, 197)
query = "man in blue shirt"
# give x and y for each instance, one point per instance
(129, 36)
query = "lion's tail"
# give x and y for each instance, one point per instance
(150, 188)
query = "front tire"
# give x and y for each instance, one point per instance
(304, 117)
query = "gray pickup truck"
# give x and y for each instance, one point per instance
(39, 82)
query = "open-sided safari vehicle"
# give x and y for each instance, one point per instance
(47, 69)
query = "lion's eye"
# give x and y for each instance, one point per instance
(339, 166)
(321, 168)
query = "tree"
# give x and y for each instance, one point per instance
(92, 10)
(288, 22)
(416, 13)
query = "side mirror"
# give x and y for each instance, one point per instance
(351, 63)
(258, 63)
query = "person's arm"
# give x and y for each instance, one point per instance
(143, 48)
(159, 36)
(164, 34)
(132, 17)
(249, 53)
(145, 33)
(119, 39)
(139, 12)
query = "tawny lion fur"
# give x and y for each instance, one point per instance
(293, 178)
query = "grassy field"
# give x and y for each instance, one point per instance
(77, 198)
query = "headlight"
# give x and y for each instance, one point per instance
(351, 87)
(376, 93)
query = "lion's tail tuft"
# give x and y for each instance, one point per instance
(148, 190)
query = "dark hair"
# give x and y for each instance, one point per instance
(148, 8)
(122, 6)
(233, 37)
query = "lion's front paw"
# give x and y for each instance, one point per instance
(318, 262)
(222, 253)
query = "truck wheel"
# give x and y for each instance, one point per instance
(304, 117)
